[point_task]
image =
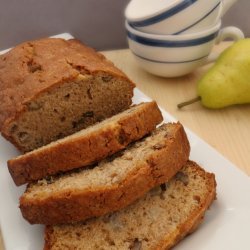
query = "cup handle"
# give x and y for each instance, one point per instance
(232, 33)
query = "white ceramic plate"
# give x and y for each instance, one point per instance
(226, 224)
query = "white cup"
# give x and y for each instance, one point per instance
(171, 55)
(175, 16)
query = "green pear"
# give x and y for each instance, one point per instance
(227, 82)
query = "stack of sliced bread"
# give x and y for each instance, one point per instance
(121, 183)
(158, 220)
(87, 146)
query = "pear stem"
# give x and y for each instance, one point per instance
(183, 104)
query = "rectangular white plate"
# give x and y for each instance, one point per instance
(226, 225)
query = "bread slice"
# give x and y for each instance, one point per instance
(51, 88)
(157, 221)
(87, 146)
(113, 184)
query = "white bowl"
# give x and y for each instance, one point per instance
(175, 16)
(171, 55)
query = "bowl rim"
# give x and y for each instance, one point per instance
(178, 37)
(153, 14)
(178, 6)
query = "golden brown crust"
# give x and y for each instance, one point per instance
(34, 67)
(48, 232)
(88, 149)
(74, 205)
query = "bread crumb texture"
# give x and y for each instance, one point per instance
(110, 185)
(51, 88)
(87, 146)
(157, 221)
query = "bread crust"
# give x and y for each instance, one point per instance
(35, 67)
(183, 229)
(195, 218)
(48, 232)
(86, 149)
(76, 205)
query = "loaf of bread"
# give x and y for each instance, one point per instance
(86, 146)
(51, 88)
(111, 185)
(159, 220)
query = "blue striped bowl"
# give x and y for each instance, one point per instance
(185, 16)
(171, 55)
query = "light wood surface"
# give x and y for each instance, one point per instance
(227, 130)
